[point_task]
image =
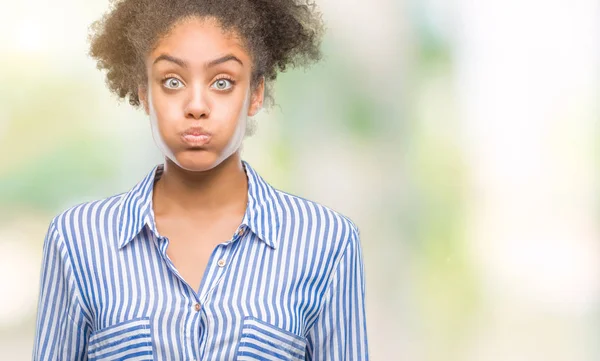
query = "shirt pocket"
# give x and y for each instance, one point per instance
(262, 341)
(124, 341)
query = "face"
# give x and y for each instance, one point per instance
(199, 94)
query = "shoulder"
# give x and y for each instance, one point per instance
(80, 220)
(316, 221)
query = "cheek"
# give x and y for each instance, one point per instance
(231, 112)
(164, 111)
(242, 105)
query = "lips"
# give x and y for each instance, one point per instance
(196, 136)
(195, 131)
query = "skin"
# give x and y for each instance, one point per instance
(200, 200)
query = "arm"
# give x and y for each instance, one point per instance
(62, 329)
(340, 333)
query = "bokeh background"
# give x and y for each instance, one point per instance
(461, 136)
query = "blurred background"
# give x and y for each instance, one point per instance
(461, 136)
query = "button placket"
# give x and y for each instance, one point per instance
(218, 264)
(190, 327)
(198, 329)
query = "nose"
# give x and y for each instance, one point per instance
(197, 105)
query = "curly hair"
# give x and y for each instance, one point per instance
(277, 34)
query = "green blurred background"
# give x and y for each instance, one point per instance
(460, 136)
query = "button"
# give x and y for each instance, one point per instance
(197, 307)
(221, 263)
(241, 231)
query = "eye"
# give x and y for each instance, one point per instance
(223, 84)
(173, 83)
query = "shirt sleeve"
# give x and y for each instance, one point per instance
(340, 332)
(62, 328)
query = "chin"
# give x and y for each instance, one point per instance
(196, 160)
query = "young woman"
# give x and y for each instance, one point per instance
(202, 259)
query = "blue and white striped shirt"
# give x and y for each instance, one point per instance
(288, 285)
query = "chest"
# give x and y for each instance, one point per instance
(191, 245)
(257, 292)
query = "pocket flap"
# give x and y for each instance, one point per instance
(122, 341)
(262, 341)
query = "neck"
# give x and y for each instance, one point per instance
(223, 188)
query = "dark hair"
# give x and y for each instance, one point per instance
(276, 33)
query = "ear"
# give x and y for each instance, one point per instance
(258, 96)
(143, 96)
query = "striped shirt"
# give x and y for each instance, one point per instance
(288, 285)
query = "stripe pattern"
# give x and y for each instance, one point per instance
(288, 285)
(262, 341)
(127, 340)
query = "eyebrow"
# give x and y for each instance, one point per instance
(184, 64)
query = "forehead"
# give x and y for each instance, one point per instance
(198, 41)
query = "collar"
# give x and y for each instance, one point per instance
(263, 214)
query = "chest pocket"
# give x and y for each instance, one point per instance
(123, 341)
(262, 341)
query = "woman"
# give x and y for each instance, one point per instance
(202, 259)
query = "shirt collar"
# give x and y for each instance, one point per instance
(263, 214)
